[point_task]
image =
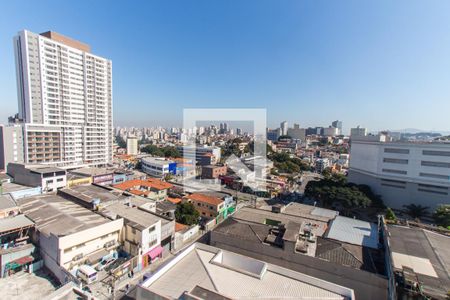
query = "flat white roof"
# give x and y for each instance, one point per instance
(354, 231)
(159, 161)
(235, 276)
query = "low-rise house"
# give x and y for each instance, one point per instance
(151, 188)
(183, 234)
(213, 171)
(141, 234)
(69, 235)
(48, 178)
(207, 206)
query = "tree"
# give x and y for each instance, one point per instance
(390, 215)
(416, 211)
(121, 142)
(186, 213)
(442, 215)
(285, 164)
(163, 151)
(335, 189)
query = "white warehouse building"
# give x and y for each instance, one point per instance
(403, 172)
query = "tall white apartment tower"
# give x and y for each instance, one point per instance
(65, 100)
(284, 127)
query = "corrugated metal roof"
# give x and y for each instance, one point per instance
(15, 222)
(323, 212)
(354, 232)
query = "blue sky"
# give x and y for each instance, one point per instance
(379, 64)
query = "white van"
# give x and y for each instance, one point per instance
(87, 274)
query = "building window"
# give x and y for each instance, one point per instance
(394, 171)
(433, 186)
(393, 185)
(436, 176)
(151, 229)
(152, 243)
(395, 161)
(432, 191)
(393, 181)
(49, 181)
(396, 150)
(59, 179)
(436, 153)
(435, 164)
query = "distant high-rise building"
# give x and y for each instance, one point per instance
(337, 124)
(273, 134)
(225, 127)
(331, 131)
(65, 100)
(284, 127)
(314, 131)
(132, 145)
(297, 133)
(238, 131)
(358, 131)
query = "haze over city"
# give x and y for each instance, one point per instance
(380, 65)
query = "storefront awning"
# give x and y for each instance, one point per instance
(20, 262)
(155, 252)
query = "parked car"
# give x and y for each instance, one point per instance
(104, 263)
(115, 264)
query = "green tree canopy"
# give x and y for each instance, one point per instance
(416, 211)
(186, 213)
(442, 215)
(285, 164)
(121, 142)
(335, 189)
(390, 215)
(167, 151)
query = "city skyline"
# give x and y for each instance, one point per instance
(312, 66)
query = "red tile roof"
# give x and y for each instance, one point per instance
(139, 192)
(204, 198)
(179, 227)
(174, 200)
(137, 183)
(159, 184)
